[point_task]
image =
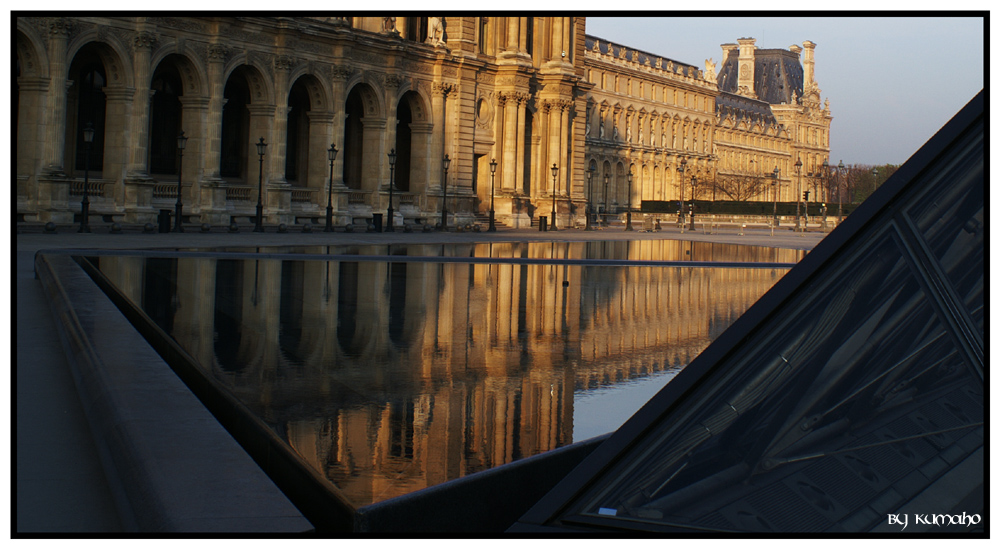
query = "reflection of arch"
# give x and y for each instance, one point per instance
(347, 305)
(290, 310)
(397, 303)
(228, 314)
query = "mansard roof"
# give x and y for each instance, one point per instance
(777, 74)
(743, 108)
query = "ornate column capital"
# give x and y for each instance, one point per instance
(217, 53)
(444, 88)
(340, 72)
(284, 62)
(60, 26)
(144, 40)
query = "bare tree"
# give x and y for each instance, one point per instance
(741, 187)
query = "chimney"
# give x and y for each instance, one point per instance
(808, 63)
(745, 82)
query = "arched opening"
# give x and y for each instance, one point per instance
(606, 178)
(619, 183)
(165, 122)
(354, 109)
(404, 143)
(86, 103)
(297, 136)
(235, 126)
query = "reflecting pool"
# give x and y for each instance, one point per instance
(391, 369)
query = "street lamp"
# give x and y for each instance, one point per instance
(774, 185)
(392, 164)
(88, 138)
(680, 204)
(493, 174)
(445, 163)
(606, 177)
(628, 203)
(694, 182)
(331, 155)
(798, 196)
(555, 174)
(181, 143)
(842, 171)
(259, 225)
(590, 193)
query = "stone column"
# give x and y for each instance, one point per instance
(137, 167)
(557, 38)
(261, 125)
(117, 137)
(282, 64)
(198, 198)
(513, 30)
(31, 102)
(565, 157)
(212, 144)
(338, 79)
(509, 153)
(518, 181)
(55, 114)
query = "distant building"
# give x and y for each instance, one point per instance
(530, 93)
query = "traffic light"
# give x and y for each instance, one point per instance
(805, 195)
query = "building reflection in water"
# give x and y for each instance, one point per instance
(391, 376)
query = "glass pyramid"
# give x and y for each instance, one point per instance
(852, 390)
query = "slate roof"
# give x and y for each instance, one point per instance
(777, 73)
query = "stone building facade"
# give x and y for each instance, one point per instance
(521, 106)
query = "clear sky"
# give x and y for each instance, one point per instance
(892, 81)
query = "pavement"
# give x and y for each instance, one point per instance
(61, 486)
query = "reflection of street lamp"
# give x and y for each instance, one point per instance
(259, 224)
(628, 202)
(392, 164)
(493, 174)
(331, 154)
(445, 163)
(88, 138)
(841, 171)
(590, 193)
(774, 185)
(798, 195)
(181, 143)
(555, 173)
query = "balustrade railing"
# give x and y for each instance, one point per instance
(358, 197)
(95, 188)
(239, 194)
(165, 190)
(303, 195)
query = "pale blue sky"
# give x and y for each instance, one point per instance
(892, 82)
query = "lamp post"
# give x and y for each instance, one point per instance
(445, 163)
(493, 176)
(680, 203)
(331, 154)
(841, 171)
(590, 194)
(555, 174)
(259, 225)
(179, 208)
(774, 185)
(628, 202)
(606, 177)
(88, 138)
(798, 199)
(694, 181)
(392, 164)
